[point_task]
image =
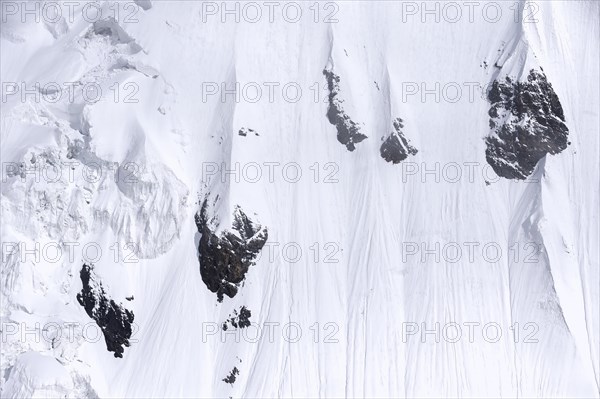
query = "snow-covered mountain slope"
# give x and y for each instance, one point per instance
(332, 199)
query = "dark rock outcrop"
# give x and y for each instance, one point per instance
(246, 131)
(225, 258)
(348, 131)
(230, 379)
(114, 320)
(239, 319)
(396, 147)
(528, 123)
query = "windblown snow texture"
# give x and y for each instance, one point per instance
(178, 117)
(225, 259)
(396, 147)
(114, 320)
(528, 123)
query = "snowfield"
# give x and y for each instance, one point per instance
(300, 199)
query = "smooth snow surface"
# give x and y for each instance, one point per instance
(372, 305)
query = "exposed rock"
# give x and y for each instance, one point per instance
(225, 259)
(230, 379)
(528, 123)
(114, 320)
(246, 131)
(348, 132)
(238, 320)
(144, 4)
(396, 147)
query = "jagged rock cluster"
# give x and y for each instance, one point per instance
(246, 131)
(528, 123)
(230, 379)
(114, 320)
(396, 147)
(225, 259)
(348, 132)
(239, 319)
